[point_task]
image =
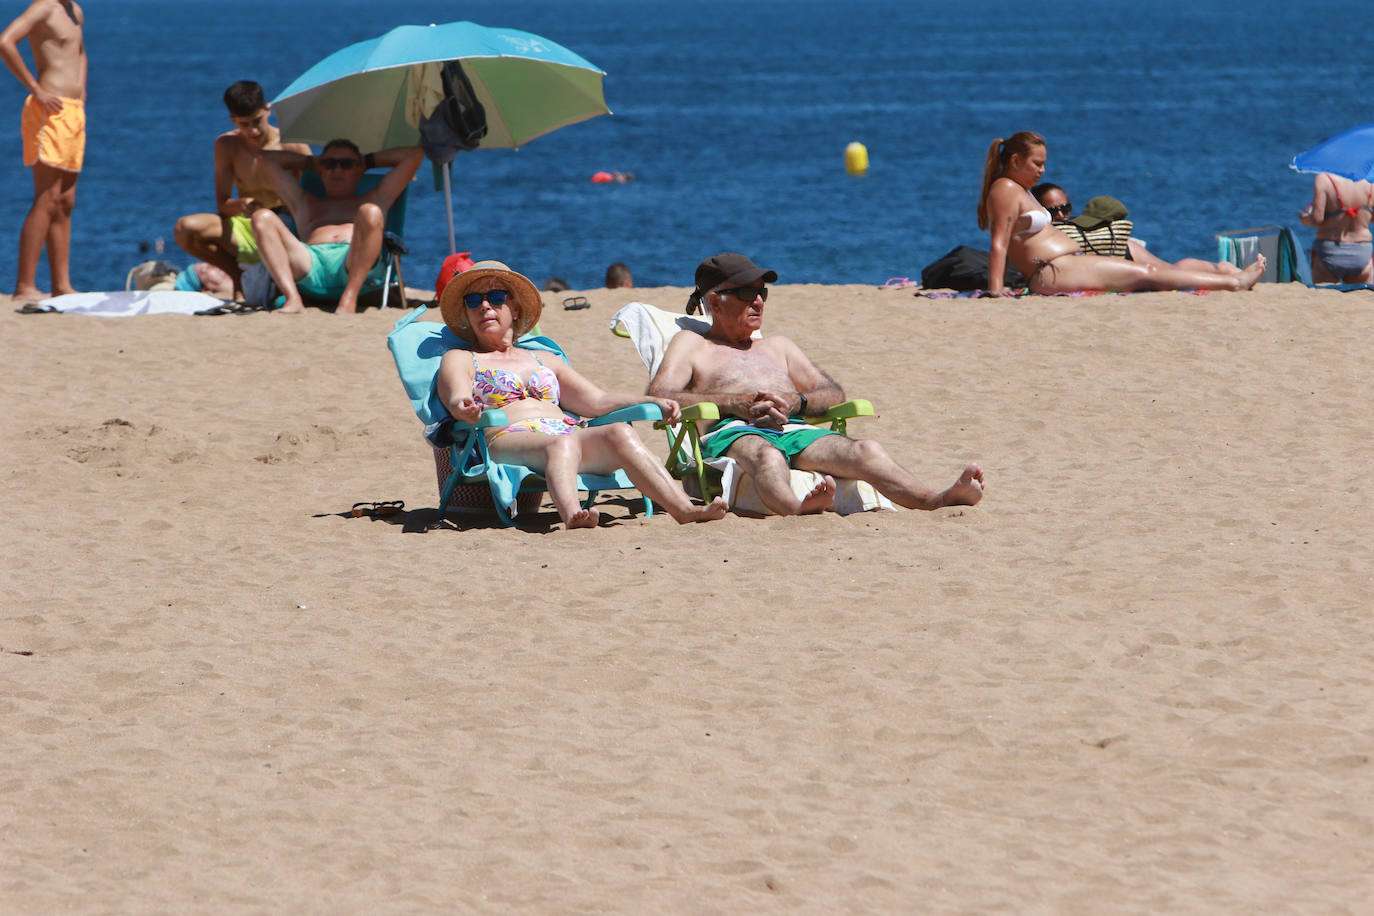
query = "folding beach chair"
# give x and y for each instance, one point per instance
(393, 247)
(468, 479)
(1279, 246)
(650, 329)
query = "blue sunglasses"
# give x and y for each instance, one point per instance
(496, 297)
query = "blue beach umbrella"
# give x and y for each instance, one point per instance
(1349, 154)
(368, 92)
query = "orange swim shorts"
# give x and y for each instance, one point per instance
(58, 138)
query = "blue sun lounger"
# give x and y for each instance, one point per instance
(460, 449)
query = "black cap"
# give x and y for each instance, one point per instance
(726, 267)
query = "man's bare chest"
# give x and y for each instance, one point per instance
(728, 369)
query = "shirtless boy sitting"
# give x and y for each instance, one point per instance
(342, 230)
(225, 238)
(54, 128)
(765, 387)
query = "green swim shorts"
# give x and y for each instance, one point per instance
(790, 440)
(329, 271)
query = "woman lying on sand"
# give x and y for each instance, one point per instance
(491, 306)
(1021, 229)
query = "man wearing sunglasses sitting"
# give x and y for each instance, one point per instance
(765, 388)
(342, 231)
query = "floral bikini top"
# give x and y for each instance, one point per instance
(493, 388)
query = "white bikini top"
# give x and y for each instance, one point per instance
(1039, 219)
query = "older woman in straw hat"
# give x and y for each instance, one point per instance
(491, 307)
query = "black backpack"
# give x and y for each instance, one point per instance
(965, 268)
(459, 122)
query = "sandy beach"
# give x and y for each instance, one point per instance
(1138, 678)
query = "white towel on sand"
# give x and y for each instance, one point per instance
(123, 303)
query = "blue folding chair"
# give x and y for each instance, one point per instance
(393, 243)
(468, 478)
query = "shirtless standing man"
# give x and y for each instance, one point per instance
(225, 238)
(342, 230)
(765, 387)
(54, 128)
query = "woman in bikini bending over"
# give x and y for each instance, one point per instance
(1021, 230)
(1341, 210)
(491, 306)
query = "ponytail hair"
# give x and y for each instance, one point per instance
(1019, 144)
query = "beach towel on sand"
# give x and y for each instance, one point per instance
(124, 303)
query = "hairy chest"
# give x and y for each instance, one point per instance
(759, 367)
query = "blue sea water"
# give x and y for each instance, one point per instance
(734, 116)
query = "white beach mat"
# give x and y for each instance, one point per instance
(125, 303)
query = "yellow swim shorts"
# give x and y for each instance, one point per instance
(245, 242)
(57, 139)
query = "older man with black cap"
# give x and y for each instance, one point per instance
(765, 387)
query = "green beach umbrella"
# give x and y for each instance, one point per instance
(529, 86)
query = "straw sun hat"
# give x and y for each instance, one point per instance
(523, 298)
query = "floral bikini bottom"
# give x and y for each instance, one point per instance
(545, 426)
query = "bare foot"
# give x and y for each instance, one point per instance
(348, 304)
(1226, 267)
(584, 518)
(65, 291)
(709, 513)
(29, 293)
(967, 490)
(1250, 275)
(291, 308)
(820, 498)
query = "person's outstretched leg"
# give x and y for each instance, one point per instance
(557, 459)
(1074, 273)
(363, 251)
(773, 478)
(284, 256)
(617, 445)
(866, 459)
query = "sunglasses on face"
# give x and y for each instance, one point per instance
(745, 293)
(497, 297)
(330, 162)
(1063, 209)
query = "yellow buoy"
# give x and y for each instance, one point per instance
(856, 159)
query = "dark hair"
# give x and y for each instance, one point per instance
(243, 98)
(1045, 187)
(1018, 144)
(618, 275)
(340, 141)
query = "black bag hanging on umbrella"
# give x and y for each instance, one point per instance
(458, 123)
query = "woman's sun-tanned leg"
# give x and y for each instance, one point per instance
(599, 450)
(1071, 273)
(617, 445)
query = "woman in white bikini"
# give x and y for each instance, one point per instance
(491, 306)
(1021, 230)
